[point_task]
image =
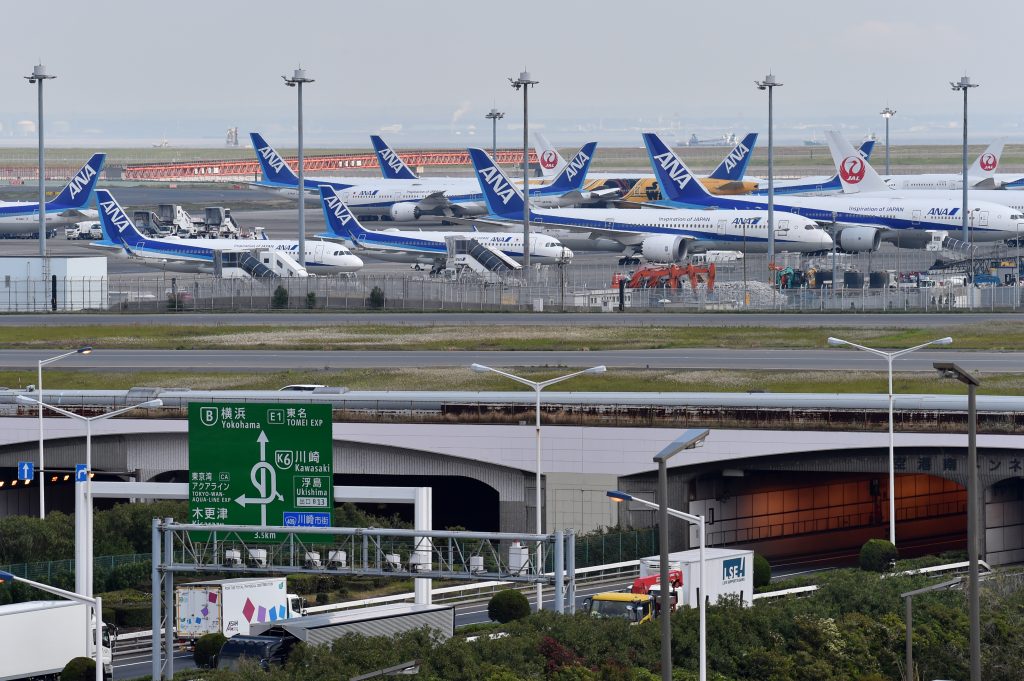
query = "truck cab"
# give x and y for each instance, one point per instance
(635, 608)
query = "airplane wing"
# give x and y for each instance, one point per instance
(434, 201)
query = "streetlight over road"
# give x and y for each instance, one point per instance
(889, 357)
(538, 386)
(84, 350)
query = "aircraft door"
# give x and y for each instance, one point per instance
(722, 225)
(916, 218)
(318, 252)
(982, 218)
(783, 228)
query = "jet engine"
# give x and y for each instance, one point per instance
(405, 212)
(665, 248)
(855, 239)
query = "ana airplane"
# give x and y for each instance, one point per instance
(813, 185)
(660, 236)
(23, 216)
(404, 200)
(426, 247)
(197, 255)
(861, 222)
(860, 179)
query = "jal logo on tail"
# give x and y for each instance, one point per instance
(81, 180)
(674, 169)
(988, 162)
(548, 159)
(338, 209)
(852, 169)
(116, 215)
(735, 156)
(501, 187)
(392, 159)
(576, 165)
(272, 158)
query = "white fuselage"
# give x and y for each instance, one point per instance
(321, 256)
(417, 246)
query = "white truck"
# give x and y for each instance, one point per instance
(40, 637)
(231, 606)
(88, 229)
(730, 572)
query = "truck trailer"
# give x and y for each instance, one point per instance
(271, 642)
(40, 637)
(730, 572)
(232, 606)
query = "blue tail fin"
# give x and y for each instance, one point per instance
(77, 192)
(391, 164)
(866, 147)
(677, 182)
(734, 166)
(341, 222)
(115, 221)
(571, 178)
(275, 169)
(503, 198)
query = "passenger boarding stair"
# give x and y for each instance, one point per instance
(268, 264)
(467, 253)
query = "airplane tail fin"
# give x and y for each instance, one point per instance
(503, 198)
(117, 226)
(275, 169)
(77, 192)
(865, 149)
(575, 172)
(734, 166)
(676, 181)
(986, 164)
(551, 162)
(391, 164)
(340, 221)
(855, 173)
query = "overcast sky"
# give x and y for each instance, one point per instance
(427, 72)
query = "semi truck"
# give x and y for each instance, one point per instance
(730, 572)
(232, 606)
(40, 637)
(638, 605)
(270, 643)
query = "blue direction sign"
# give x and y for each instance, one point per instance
(26, 470)
(307, 519)
(81, 472)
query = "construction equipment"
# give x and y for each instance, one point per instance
(668, 276)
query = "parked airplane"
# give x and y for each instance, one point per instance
(23, 216)
(813, 185)
(861, 222)
(426, 247)
(981, 174)
(405, 200)
(197, 255)
(658, 235)
(863, 180)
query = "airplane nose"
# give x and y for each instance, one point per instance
(567, 254)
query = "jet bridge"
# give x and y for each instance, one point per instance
(466, 253)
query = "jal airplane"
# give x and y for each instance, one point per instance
(980, 175)
(405, 200)
(860, 223)
(813, 185)
(426, 247)
(657, 235)
(197, 255)
(23, 216)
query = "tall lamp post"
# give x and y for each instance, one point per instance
(538, 386)
(297, 80)
(951, 370)
(666, 658)
(525, 83)
(769, 83)
(889, 357)
(887, 113)
(97, 609)
(964, 84)
(84, 350)
(83, 507)
(494, 116)
(39, 75)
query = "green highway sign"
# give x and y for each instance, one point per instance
(260, 465)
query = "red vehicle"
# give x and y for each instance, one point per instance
(651, 586)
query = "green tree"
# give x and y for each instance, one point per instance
(877, 554)
(279, 301)
(762, 571)
(79, 669)
(207, 649)
(508, 605)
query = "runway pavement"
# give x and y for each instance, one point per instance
(276, 360)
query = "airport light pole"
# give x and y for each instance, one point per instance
(494, 116)
(964, 84)
(97, 610)
(297, 80)
(83, 515)
(952, 370)
(39, 75)
(665, 604)
(887, 113)
(525, 83)
(84, 350)
(538, 386)
(889, 357)
(770, 83)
